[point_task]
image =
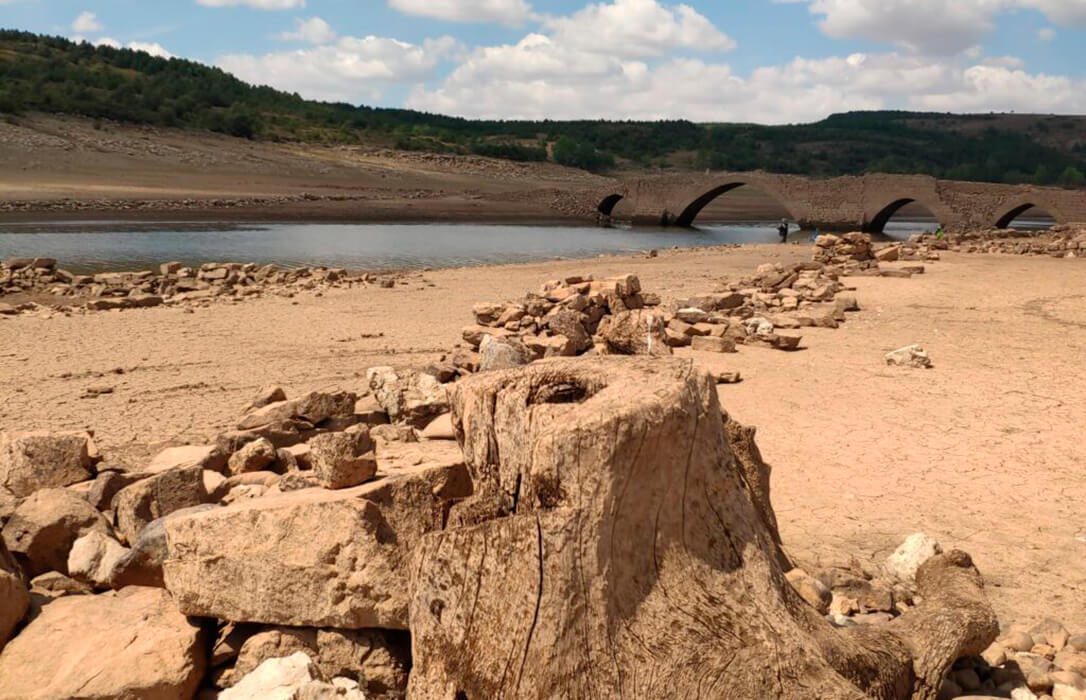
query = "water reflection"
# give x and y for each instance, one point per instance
(89, 247)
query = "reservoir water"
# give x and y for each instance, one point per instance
(91, 247)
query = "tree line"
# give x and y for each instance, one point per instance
(55, 75)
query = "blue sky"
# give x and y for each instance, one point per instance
(769, 61)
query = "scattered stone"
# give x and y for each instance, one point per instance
(440, 428)
(342, 460)
(909, 356)
(502, 353)
(811, 590)
(202, 456)
(906, 559)
(252, 457)
(712, 344)
(142, 564)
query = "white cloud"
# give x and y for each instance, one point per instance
(529, 80)
(351, 70)
(107, 41)
(937, 27)
(1046, 34)
(87, 22)
(153, 48)
(257, 4)
(511, 12)
(313, 30)
(638, 28)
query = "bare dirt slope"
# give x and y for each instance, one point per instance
(984, 451)
(108, 169)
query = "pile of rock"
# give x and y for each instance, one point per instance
(173, 283)
(849, 250)
(287, 534)
(580, 315)
(1060, 241)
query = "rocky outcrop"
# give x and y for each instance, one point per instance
(614, 548)
(131, 644)
(311, 558)
(41, 460)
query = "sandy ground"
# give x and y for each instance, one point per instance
(985, 451)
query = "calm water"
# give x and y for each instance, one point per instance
(90, 247)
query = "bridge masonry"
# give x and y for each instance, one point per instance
(843, 203)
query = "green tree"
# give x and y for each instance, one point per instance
(1072, 177)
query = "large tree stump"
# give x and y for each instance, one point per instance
(617, 548)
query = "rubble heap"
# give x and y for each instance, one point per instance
(1060, 241)
(580, 315)
(173, 283)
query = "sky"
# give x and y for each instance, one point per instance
(765, 61)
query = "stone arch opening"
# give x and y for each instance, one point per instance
(1039, 216)
(687, 216)
(911, 205)
(607, 205)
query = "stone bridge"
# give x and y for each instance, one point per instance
(843, 203)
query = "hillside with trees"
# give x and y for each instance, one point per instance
(55, 75)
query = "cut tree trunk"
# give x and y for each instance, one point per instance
(617, 547)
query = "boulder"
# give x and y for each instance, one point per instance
(813, 591)
(909, 356)
(141, 565)
(569, 324)
(312, 558)
(93, 557)
(502, 353)
(14, 597)
(204, 456)
(342, 460)
(295, 677)
(907, 558)
(707, 343)
(137, 505)
(252, 457)
(267, 395)
(41, 532)
(638, 332)
(38, 460)
(888, 254)
(130, 644)
(312, 408)
(440, 428)
(408, 395)
(100, 492)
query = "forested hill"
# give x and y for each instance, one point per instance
(50, 74)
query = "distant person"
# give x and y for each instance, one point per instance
(939, 232)
(814, 235)
(782, 230)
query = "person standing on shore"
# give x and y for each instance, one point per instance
(782, 230)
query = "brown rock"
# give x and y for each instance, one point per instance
(38, 460)
(712, 344)
(252, 457)
(569, 324)
(137, 505)
(142, 564)
(502, 353)
(408, 395)
(106, 485)
(92, 558)
(131, 644)
(811, 590)
(342, 460)
(14, 597)
(635, 333)
(41, 532)
(202, 456)
(1050, 632)
(312, 408)
(440, 428)
(312, 558)
(1074, 661)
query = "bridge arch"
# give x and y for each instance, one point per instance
(607, 204)
(691, 211)
(1012, 214)
(877, 223)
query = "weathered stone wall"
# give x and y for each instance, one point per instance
(846, 203)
